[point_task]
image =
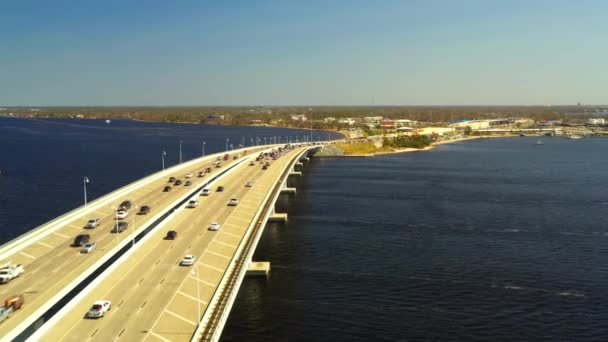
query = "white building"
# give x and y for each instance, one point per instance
(375, 119)
(299, 117)
(329, 119)
(596, 121)
(348, 121)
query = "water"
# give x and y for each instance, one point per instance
(495, 239)
(43, 162)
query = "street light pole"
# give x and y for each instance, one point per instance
(85, 180)
(204, 148)
(162, 157)
(227, 143)
(180, 151)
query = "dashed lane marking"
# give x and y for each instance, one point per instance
(45, 244)
(27, 255)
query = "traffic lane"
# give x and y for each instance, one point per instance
(211, 266)
(150, 293)
(42, 285)
(218, 199)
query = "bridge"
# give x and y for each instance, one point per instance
(153, 297)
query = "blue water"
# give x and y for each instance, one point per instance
(43, 162)
(498, 239)
(495, 239)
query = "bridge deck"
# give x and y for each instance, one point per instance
(51, 263)
(153, 297)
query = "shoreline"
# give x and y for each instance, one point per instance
(430, 147)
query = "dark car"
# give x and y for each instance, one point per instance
(171, 235)
(81, 240)
(208, 170)
(126, 205)
(144, 210)
(201, 174)
(171, 179)
(178, 182)
(167, 189)
(188, 183)
(120, 227)
(220, 188)
(264, 167)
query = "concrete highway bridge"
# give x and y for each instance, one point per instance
(153, 297)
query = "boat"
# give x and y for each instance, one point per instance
(108, 121)
(539, 142)
(574, 136)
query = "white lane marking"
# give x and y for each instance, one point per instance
(202, 281)
(230, 234)
(74, 226)
(45, 244)
(218, 254)
(158, 336)
(62, 235)
(225, 244)
(192, 297)
(180, 317)
(213, 268)
(27, 255)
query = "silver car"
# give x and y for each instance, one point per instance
(88, 247)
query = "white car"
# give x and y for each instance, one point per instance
(99, 308)
(92, 223)
(188, 260)
(249, 184)
(214, 226)
(192, 204)
(189, 175)
(10, 272)
(206, 192)
(121, 214)
(233, 202)
(88, 247)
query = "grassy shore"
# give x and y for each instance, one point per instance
(367, 149)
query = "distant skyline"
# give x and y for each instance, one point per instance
(315, 52)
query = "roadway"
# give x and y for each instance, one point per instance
(51, 263)
(153, 297)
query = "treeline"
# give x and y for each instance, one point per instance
(408, 141)
(282, 115)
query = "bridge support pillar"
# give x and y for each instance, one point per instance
(258, 268)
(277, 217)
(287, 190)
(295, 173)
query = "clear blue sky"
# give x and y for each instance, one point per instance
(309, 52)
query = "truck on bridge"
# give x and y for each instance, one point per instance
(11, 304)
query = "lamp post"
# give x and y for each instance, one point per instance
(180, 151)
(162, 157)
(85, 180)
(227, 140)
(203, 145)
(264, 140)
(251, 139)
